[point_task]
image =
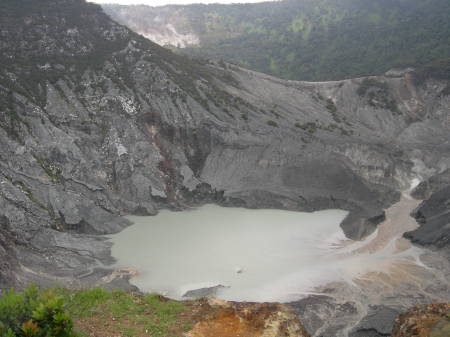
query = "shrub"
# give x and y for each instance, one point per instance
(272, 123)
(377, 94)
(53, 171)
(439, 70)
(310, 127)
(331, 106)
(34, 314)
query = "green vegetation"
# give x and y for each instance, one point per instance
(310, 127)
(53, 171)
(63, 313)
(331, 106)
(34, 314)
(312, 39)
(377, 94)
(369, 83)
(24, 188)
(9, 119)
(28, 23)
(152, 313)
(313, 127)
(439, 69)
(272, 123)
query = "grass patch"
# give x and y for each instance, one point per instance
(165, 311)
(59, 312)
(127, 314)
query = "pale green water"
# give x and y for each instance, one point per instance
(179, 251)
(283, 255)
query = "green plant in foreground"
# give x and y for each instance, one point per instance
(32, 313)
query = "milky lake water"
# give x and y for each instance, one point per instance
(259, 255)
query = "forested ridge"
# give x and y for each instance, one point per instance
(311, 40)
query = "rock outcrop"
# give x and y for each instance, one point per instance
(431, 185)
(433, 214)
(378, 323)
(432, 320)
(231, 319)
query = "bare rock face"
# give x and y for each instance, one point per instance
(231, 319)
(203, 292)
(432, 320)
(378, 323)
(431, 185)
(433, 215)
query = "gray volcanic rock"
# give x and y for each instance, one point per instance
(203, 292)
(433, 215)
(433, 184)
(313, 308)
(378, 323)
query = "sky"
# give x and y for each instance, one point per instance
(172, 2)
